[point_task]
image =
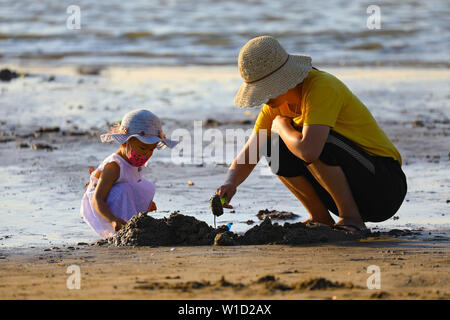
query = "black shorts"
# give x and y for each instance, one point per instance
(378, 184)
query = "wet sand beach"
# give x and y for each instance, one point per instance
(68, 72)
(50, 137)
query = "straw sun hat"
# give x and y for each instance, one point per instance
(268, 71)
(141, 124)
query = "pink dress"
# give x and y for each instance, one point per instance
(129, 195)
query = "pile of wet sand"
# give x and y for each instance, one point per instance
(143, 230)
(179, 229)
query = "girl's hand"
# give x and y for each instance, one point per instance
(227, 190)
(152, 207)
(280, 122)
(118, 223)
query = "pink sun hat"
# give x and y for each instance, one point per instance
(141, 124)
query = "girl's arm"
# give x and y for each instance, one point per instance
(110, 174)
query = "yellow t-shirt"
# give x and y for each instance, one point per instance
(324, 99)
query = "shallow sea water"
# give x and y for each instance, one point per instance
(209, 32)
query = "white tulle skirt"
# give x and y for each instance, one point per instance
(125, 199)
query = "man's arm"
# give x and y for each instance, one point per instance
(241, 168)
(308, 144)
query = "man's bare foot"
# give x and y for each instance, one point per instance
(311, 220)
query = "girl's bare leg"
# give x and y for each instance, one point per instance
(304, 191)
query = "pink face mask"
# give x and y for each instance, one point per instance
(136, 159)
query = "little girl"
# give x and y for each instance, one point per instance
(117, 190)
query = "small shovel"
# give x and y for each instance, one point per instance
(216, 203)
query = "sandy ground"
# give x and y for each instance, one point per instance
(409, 269)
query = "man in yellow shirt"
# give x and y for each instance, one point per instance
(331, 153)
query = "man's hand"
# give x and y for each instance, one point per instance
(279, 123)
(227, 190)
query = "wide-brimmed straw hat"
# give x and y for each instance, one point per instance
(268, 71)
(141, 124)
